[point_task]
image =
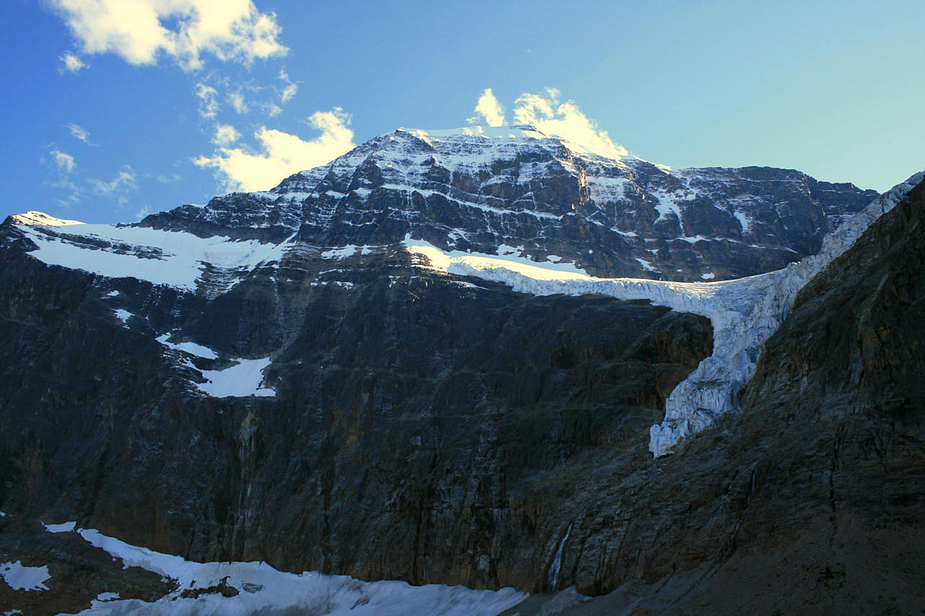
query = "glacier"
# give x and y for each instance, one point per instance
(744, 312)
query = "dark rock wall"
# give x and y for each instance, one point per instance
(413, 419)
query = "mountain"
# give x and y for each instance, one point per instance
(426, 362)
(517, 189)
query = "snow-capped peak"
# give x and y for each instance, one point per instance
(33, 218)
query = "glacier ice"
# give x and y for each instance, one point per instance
(744, 312)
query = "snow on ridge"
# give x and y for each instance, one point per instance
(36, 218)
(343, 252)
(508, 256)
(744, 312)
(173, 258)
(264, 589)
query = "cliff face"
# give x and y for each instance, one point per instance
(412, 415)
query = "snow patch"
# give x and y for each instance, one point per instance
(744, 221)
(19, 577)
(266, 590)
(123, 315)
(708, 276)
(344, 252)
(188, 347)
(64, 527)
(241, 380)
(173, 258)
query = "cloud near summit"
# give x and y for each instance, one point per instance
(140, 30)
(548, 115)
(281, 154)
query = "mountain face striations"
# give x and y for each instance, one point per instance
(413, 364)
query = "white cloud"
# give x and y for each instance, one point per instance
(64, 161)
(281, 154)
(489, 108)
(290, 90)
(208, 100)
(119, 186)
(225, 135)
(72, 63)
(142, 212)
(65, 165)
(238, 103)
(185, 30)
(288, 93)
(79, 132)
(566, 121)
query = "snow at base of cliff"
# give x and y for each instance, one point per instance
(261, 589)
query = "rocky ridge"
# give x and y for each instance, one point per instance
(515, 188)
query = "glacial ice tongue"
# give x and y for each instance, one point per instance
(744, 312)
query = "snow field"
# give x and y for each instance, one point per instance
(264, 590)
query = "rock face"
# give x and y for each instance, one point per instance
(284, 381)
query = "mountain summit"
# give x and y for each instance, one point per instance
(474, 190)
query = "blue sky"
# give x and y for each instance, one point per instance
(117, 108)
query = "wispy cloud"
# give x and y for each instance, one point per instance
(123, 183)
(72, 64)
(79, 132)
(290, 90)
(64, 161)
(489, 108)
(65, 166)
(225, 135)
(238, 103)
(208, 100)
(139, 31)
(565, 120)
(281, 154)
